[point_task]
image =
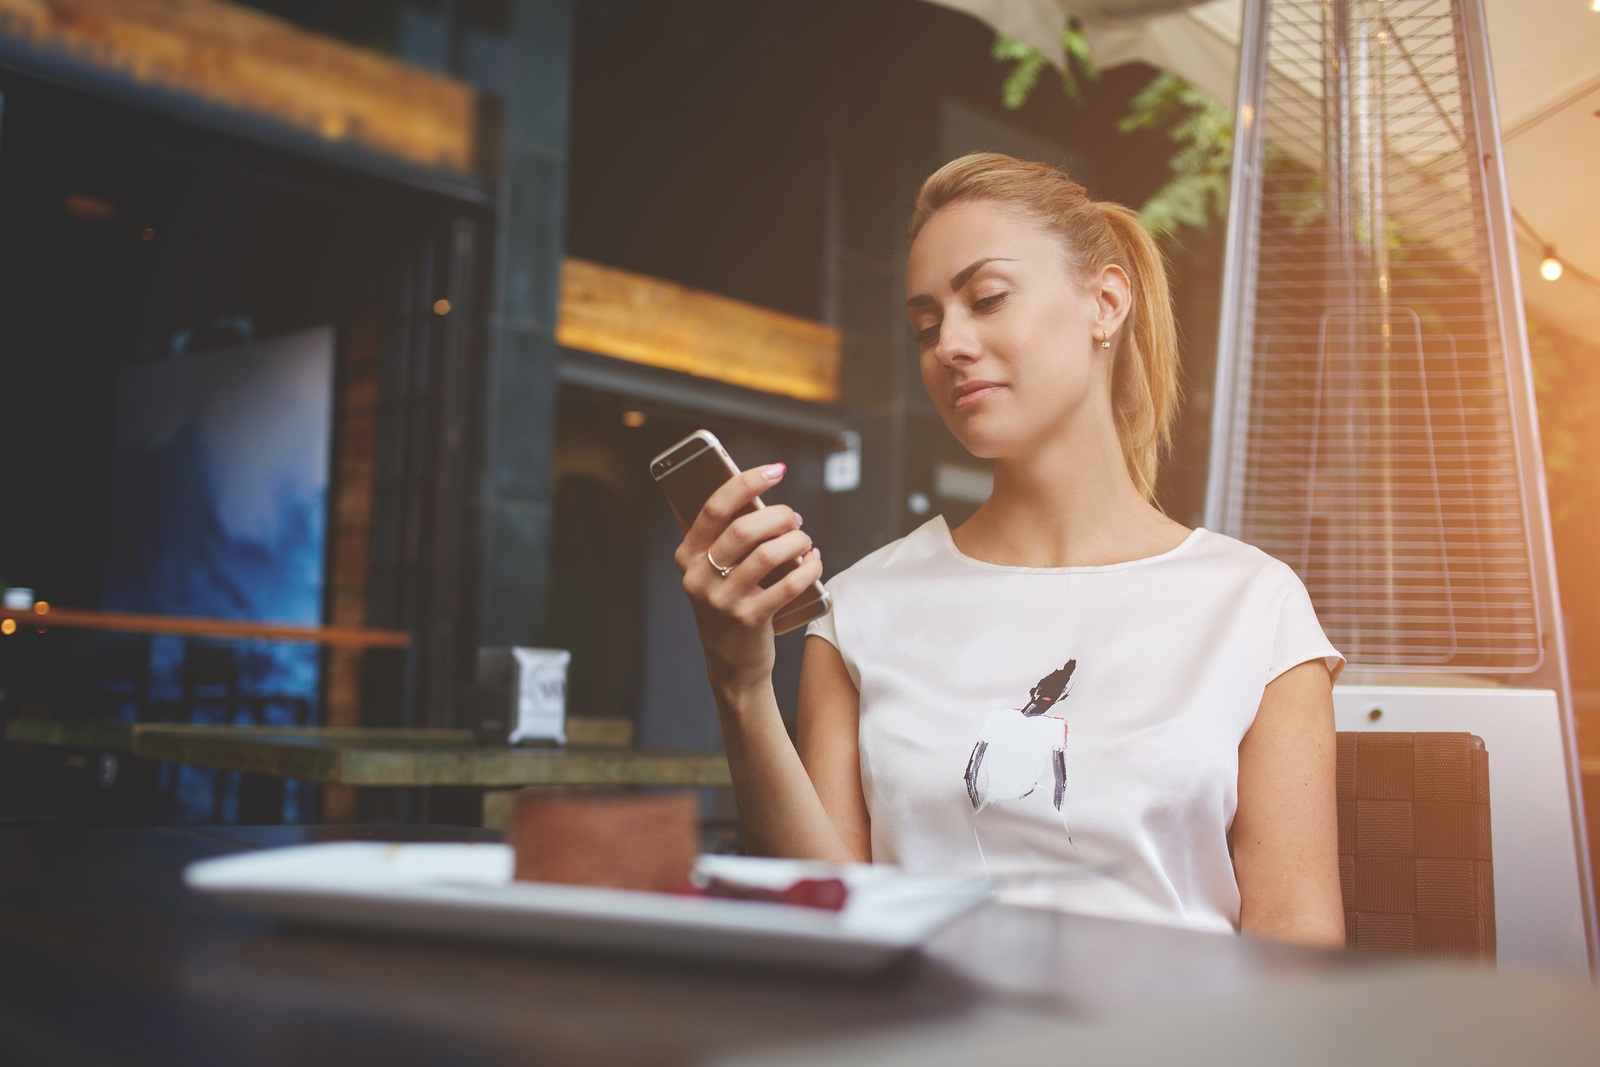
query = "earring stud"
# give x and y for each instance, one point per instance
(1105, 344)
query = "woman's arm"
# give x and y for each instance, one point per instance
(780, 811)
(1286, 830)
(791, 802)
(828, 736)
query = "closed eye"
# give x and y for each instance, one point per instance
(930, 334)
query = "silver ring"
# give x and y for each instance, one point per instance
(719, 568)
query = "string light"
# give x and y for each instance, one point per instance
(441, 307)
(633, 419)
(8, 626)
(1550, 267)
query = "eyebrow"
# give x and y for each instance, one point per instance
(962, 277)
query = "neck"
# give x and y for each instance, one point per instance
(1070, 504)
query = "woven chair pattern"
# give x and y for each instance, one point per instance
(1415, 859)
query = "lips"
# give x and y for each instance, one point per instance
(967, 394)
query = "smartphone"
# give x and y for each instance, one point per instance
(689, 472)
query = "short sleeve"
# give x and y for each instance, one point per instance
(824, 628)
(827, 628)
(1299, 637)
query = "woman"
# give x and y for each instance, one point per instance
(1107, 711)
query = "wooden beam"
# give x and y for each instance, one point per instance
(240, 58)
(647, 320)
(183, 626)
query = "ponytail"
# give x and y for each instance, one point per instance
(1144, 378)
(1096, 235)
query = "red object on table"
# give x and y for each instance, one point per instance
(825, 894)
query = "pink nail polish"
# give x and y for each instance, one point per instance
(798, 519)
(774, 472)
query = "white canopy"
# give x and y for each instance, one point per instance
(1546, 56)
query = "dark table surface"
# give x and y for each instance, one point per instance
(106, 957)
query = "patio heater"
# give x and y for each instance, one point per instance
(1374, 424)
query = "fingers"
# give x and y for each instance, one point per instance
(736, 494)
(739, 593)
(758, 607)
(766, 557)
(740, 538)
(768, 602)
(747, 532)
(724, 509)
(752, 545)
(748, 559)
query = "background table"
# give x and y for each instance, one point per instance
(597, 755)
(105, 957)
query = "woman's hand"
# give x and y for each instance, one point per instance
(732, 611)
(780, 811)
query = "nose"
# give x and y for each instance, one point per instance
(958, 345)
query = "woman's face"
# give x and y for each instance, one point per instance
(1005, 331)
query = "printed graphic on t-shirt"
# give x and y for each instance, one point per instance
(1021, 748)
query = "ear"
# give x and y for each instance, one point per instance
(1113, 299)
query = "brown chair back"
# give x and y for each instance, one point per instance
(1415, 858)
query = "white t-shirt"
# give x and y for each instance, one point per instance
(1073, 731)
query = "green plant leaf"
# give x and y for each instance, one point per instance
(1028, 63)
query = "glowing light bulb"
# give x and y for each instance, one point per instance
(1550, 267)
(441, 307)
(633, 419)
(8, 626)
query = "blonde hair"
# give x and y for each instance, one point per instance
(1094, 235)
